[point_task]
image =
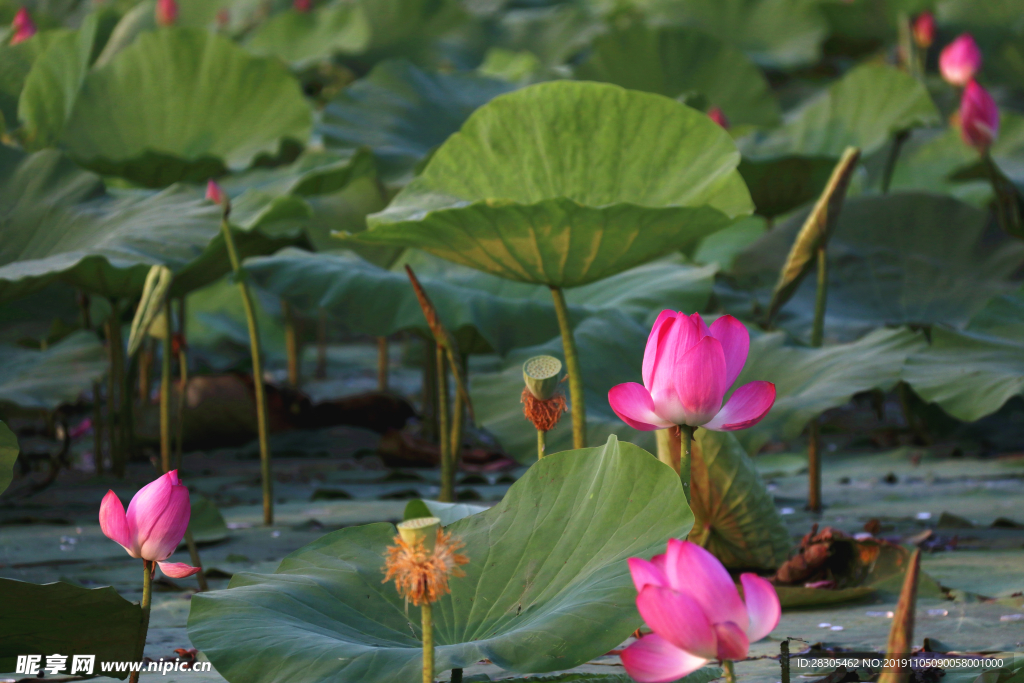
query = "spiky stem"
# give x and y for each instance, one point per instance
(572, 366)
(262, 425)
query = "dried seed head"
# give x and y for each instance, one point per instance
(420, 574)
(543, 414)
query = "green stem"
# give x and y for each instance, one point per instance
(818, 330)
(443, 435)
(572, 365)
(730, 674)
(382, 363)
(165, 393)
(147, 594)
(257, 375)
(668, 447)
(193, 552)
(179, 439)
(455, 448)
(428, 644)
(291, 343)
(784, 660)
(890, 162)
(685, 458)
(540, 444)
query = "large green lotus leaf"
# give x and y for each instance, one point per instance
(448, 513)
(734, 514)
(566, 183)
(611, 348)
(58, 375)
(15, 65)
(547, 586)
(863, 109)
(908, 258)
(929, 161)
(971, 374)
(63, 618)
(678, 61)
(810, 381)
(183, 104)
(301, 38)
(486, 313)
(775, 33)
(9, 450)
(407, 27)
(52, 85)
(552, 34)
(402, 113)
(781, 184)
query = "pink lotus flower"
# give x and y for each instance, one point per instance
(154, 525)
(718, 116)
(690, 602)
(166, 12)
(23, 27)
(688, 368)
(215, 193)
(924, 30)
(303, 5)
(960, 60)
(979, 117)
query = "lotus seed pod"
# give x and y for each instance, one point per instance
(422, 529)
(541, 376)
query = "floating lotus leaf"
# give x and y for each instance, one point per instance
(566, 183)
(547, 569)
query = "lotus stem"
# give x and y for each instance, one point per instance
(321, 345)
(572, 365)
(1008, 213)
(382, 363)
(114, 393)
(540, 444)
(428, 643)
(817, 332)
(147, 594)
(97, 394)
(784, 660)
(730, 673)
(443, 435)
(685, 458)
(165, 392)
(179, 442)
(458, 424)
(145, 371)
(262, 426)
(291, 343)
(669, 447)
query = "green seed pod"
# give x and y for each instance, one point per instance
(423, 529)
(541, 376)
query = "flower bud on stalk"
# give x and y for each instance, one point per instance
(960, 60)
(23, 27)
(924, 30)
(979, 117)
(718, 116)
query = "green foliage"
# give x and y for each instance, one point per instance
(301, 38)
(547, 564)
(63, 618)
(584, 180)
(9, 450)
(132, 118)
(46, 379)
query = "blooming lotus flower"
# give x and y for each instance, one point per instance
(960, 60)
(691, 603)
(979, 117)
(154, 525)
(166, 12)
(688, 368)
(718, 116)
(23, 27)
(924, 30)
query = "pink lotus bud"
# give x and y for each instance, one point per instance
(154, 525)
(979, 117)
(924, 30)
(960, 60)
(688, 368)
(718, 116)
(690, 602)
(303, 5)
(23, 27)
(214, 193)
(166, 12)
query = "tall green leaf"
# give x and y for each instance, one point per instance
(547, 570)
(734, 514)
(402, 113)
(863, 109)
(15, 65)
(674, 61)
(566, 183)
(183, 104)
(46, 379)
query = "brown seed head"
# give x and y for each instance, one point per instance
(421, 576)
(543, 414)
